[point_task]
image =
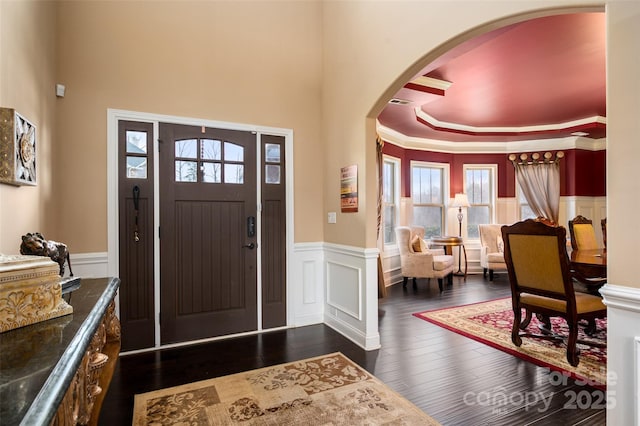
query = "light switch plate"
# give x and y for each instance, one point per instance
(331, 217)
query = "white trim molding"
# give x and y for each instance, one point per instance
(555, 144)
(351, 288)
(623, 329)
(306, 291)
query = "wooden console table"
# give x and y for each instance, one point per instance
(57, 371)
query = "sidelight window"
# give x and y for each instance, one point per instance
(136, 143)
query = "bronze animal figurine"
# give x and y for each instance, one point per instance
(35, 244)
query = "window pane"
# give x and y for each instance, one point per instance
(186, 171)
(272, 153)
(233, 173)
(187, 148)
(137, 167)
(430, 218)
(272, 173)
(389, 224)
(388, 175)
(210, 149)
(478, 186)
(233, 152)
(526, 212)
(475, 216)
(211, 172)
(136, 142)
(427, 185)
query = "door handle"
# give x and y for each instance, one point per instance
(250, 246)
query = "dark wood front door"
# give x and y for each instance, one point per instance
(208, 255)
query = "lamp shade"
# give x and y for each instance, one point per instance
(461, 200)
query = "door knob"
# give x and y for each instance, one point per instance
(250, 246)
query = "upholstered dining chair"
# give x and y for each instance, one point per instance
(603, 225)
(419, 261)
(583, 236)
(541, 282)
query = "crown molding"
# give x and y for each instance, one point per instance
(422, 144)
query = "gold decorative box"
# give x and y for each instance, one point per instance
(30, 291)
(17, 149)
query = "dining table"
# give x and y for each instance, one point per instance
(590, 267)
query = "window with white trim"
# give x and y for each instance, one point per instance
(390, 197)
(480, 187)
(523, 206)
(429, 189)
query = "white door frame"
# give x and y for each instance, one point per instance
(116, 115)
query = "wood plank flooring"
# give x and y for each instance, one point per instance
(452, 378)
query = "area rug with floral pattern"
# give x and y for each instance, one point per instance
(326, 390)
(490, 323)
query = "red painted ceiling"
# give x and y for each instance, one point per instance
(507, 83)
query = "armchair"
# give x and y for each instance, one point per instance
(541, 283)
(491, 249)
(418, 261)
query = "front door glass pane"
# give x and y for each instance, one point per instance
(233, 173)
(211, 149)
(212, 172)
(233, 152)
(186, 171)
(187, 148)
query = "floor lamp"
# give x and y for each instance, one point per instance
(460, 201)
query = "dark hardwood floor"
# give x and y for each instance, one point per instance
(452, 378)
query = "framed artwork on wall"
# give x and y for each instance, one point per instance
(17, 149)
(349, 189)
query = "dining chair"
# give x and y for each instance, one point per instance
(583, 236)
(541, 283)
(603, 225)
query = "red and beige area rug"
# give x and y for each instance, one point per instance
(490, 323)
(326, 390)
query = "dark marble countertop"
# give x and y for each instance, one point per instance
(37, 362)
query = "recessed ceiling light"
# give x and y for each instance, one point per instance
(579, 134)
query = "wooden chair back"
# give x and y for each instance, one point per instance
(583, 236)
(537, 261)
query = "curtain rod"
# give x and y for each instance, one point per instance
(535, 158)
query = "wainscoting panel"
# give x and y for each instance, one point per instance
(344, 284)
(306, 285)
(623, 317)
(351, 306)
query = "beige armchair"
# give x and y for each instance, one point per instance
(491, 249)
(418, 261)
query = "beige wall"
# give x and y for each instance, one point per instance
(623, 130)
(246, 62)
(27, 84)
(320, 68)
